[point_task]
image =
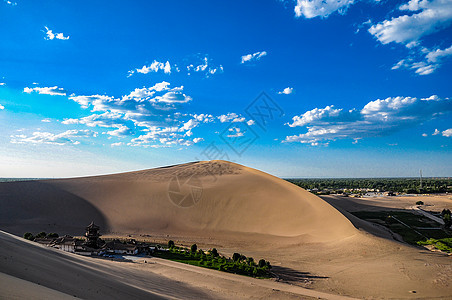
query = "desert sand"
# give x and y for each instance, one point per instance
(312, 243)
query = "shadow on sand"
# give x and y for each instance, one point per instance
(294, 276)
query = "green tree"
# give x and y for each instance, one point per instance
(236, 256)
(170, 244)
(42, 234)
(194, 248)
(447, 218)
(28, 236)
(214, 252)
(262, 263)
(53, 235)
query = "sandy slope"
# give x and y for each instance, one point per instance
(234, 208)
(31, 271)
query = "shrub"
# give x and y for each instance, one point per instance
(193, 248)
(214, 252)
(28, 236)
(42, 234)
(170, 244)
(447, 219)
(236, 256)
(262, 263)
(268, 265)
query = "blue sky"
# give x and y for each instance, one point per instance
(303, 88)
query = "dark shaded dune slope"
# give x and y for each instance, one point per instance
(41, 206)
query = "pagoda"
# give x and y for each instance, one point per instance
(92, 235)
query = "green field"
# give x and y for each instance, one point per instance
(413, 228)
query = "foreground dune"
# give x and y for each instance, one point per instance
(234, 208)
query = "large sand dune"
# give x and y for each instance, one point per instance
(198, 198)
(235, 208)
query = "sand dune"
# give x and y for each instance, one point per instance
(235, 208)
(197, 198)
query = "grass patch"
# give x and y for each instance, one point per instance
(440, 244)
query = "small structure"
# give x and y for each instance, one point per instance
(117, 247)
(92, 236)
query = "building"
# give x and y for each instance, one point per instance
(117, 247)
(92, 235)
(94, 245)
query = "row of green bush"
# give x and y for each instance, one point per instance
(238, 264)
(42, 234)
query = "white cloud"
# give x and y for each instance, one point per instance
(447, 132)
(408, 29)
(149, 109)
(424, 135)
(253, 57)
(117, 144)
(235, 132)
(320, 8)
(121, 131)
(10, 2)
(67, 137)
(231, 117)
(286, 91)
(205, 67)
(436, 132)
(2, 83)
(46, 120)
(250, 122)
(431, 61)
(376, 118)
(197, 140)
(50, 35)
(155, 66)
(314, 115)
(54, 91)
(2, 107)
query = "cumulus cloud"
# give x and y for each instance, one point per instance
(231, 117)
(149, 109)
(320, 8)
(2, 83)
(50, 35)
(408, 29)
(2, 107)
(286, 91)
(66, 137)
(376, 118)
(205, 67)
(140, 102)
(54, 91)
(253, 57)
(436, 132)
(447, 132)
(419, 19)
(155, 66)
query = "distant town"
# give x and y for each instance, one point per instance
(374, 186)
